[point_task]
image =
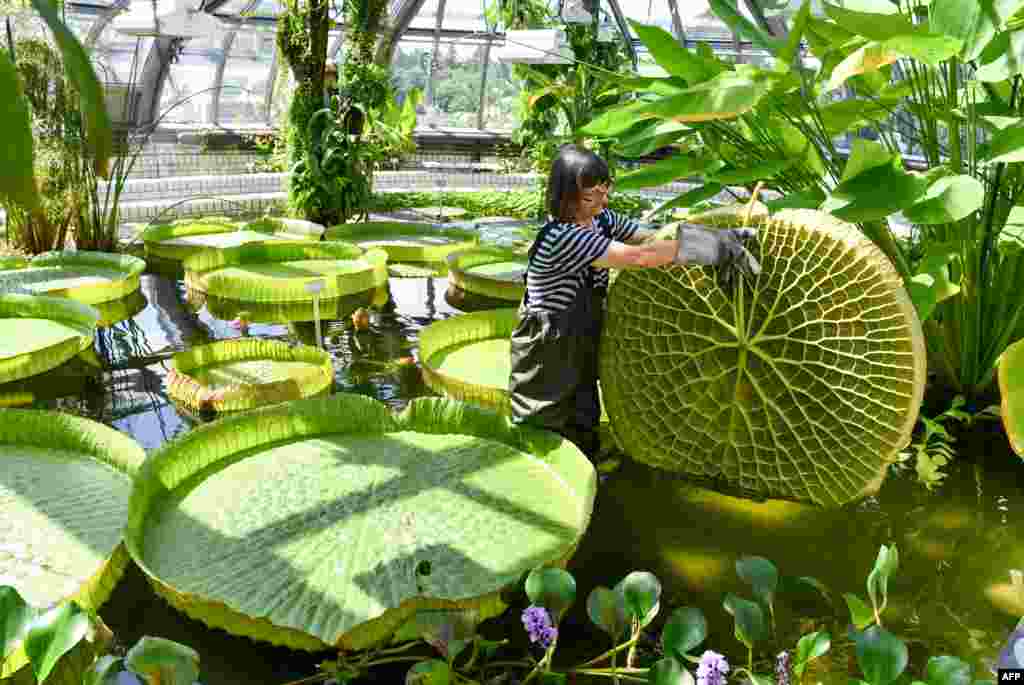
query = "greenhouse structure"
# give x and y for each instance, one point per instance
(494, 342)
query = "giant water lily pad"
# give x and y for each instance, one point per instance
(89, 277)
(491, 272)
(406, 242)
(233, 375)
(65, 483)
(40, 333)
(331, 521)
(283, 271)
(185, 238)
(804, 384)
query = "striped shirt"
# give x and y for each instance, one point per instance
(561, 261)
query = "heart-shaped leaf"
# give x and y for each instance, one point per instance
(432, 672)
(607, 609)
(861, 614)
(882, 656)
(52, 635)
(668, 671)
(15, 618)
(809, 648)
(104, 671)
(163, 662)
(552, 588)
(947, 200)
(685, 629)
(750, 624)
(947, 670)
(641, 591)
(762, 576)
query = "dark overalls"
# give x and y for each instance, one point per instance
(553, 383)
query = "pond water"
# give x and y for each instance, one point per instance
(957, 544)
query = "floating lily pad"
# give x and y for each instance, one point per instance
(283, 271)
(39, 333)
(88, 277)
(13, 262)
(802, 384)
(115, 311)
(331, 521)
(229, 309)
(491, 272)
(233, 375)
(64, 493)
(406, 242)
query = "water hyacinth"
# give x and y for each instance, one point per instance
(712, 669)
(782, 668)
(538, 624)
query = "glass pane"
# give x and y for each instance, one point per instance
(455, 97)
(243, 97)
(115, 54)
(464, 15)
(426, 17)
(501, 106)
(80, 23)
(654, 12)
(191, 75)
(410, 66)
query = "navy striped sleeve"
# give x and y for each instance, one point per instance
(567, 249)
(622, 227)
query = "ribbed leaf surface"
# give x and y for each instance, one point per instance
(406, 242)
(309, 523)
(88, 277)
(39, 333)
(489, 272)
(804, 386)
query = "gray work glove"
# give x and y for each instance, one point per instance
(727, 249)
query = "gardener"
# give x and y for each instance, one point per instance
(553, 383)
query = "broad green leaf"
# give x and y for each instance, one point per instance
(433, 672)
(1006, 146)
(871, 25)
(947, 200)
(159, 661)
(607, 609)
(617, 120)
(15, 618)
(724, 97)
(796, 33)
(78, 66)
(882, 656)
(685, 629)
(796, 146)
(765, 170)
(864, 154)
(930, 48)
(641, 592)
(552, 588)
(875, 194)
(663, 171)
(1011, 389)
(948, 670)
(931, 284)
(727, 11)
(974, 22)
(668, 671)
(751, 626)
(448, 631)
(690, 197)
(52, 635)
(762, 576)
(17, 181)
(1007, 59)
(104, 671)
(650, 136)
(863, 60)
(673, 57)
(809, 648)
(805, 199)
(861, 614)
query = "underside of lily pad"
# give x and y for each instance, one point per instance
(284, 271)
(229, 309)
(88, 277)
(177, 240)
(115, 311)
(803, 384)
(39, 333)
(491, 272)
(332, 521)
(64, 494)
(239, 374)
(406, 242)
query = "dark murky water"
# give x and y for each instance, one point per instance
(957, 544)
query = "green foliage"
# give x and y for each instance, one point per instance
(932, 448)
(552, 588)
(522, 204)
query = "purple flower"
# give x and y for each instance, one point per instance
(712, 669)
(782, 668)
(538, 624)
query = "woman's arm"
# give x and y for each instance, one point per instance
(623, 256)
(642, 235)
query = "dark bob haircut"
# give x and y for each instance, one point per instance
(574, 169)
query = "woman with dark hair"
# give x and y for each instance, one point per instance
(553, 383)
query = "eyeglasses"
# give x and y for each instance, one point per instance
(602, 191)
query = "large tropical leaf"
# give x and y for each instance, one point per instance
(1011, 387)
(17, 180)
(39, 333)
(64, 493)
(406, 242)
(88, 277)
(974, 22)
(488, 271)
(333, 522)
